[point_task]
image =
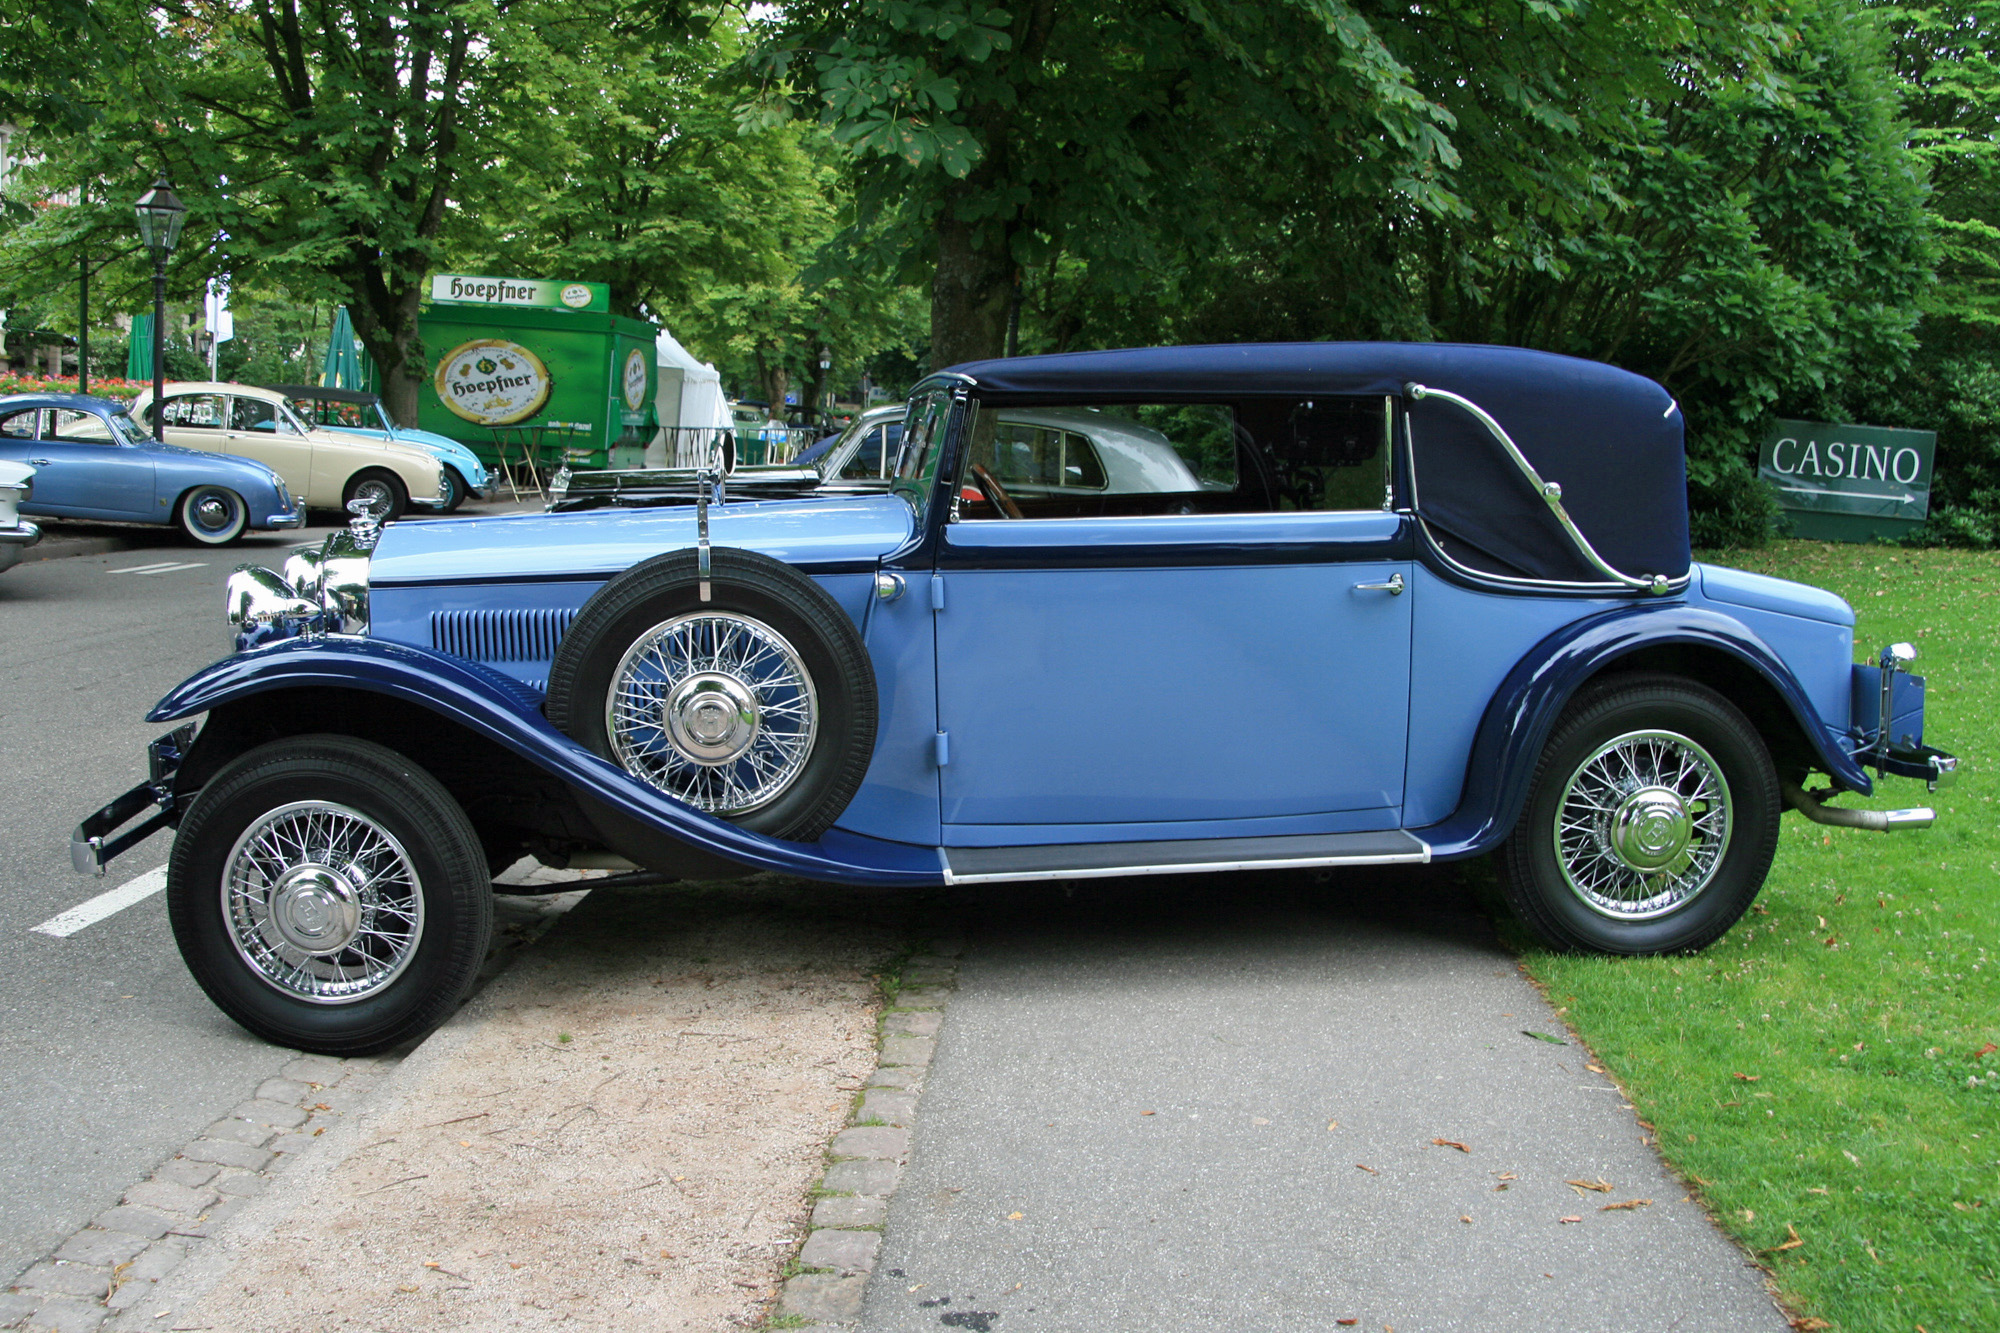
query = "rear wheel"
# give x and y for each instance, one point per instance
(329, 894)
(384, 491)
(213, 515)
(1651, 822)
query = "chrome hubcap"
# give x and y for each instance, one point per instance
(714, 708)
(322, 902)
(1643, 824)
(212, 511)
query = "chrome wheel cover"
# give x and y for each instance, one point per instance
(376, 492)
(1642, 825)
(213, 511)
(714, 709)
(322, 902)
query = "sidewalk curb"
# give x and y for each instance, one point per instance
(252, 1225)
(865, 1160)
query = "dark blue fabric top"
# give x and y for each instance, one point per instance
(1612, 439)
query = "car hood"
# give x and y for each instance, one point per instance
(323, 435)
(1761, 592)
(597, 543)
(416, 439)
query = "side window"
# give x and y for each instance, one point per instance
(81, 427)
(252, 414)
(194, 411)
(20, 425)
(1248, 456)
(867, 463)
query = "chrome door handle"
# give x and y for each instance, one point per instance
(43, 462)
(1394, 587)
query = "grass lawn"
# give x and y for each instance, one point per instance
(1818, 1072)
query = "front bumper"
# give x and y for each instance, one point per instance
(21, 535)
(295, 518)
(92, 847)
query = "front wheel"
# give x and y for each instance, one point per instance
(1650, 824)
(213, 515)
(385, 493)
(330, 895)
(455, 491)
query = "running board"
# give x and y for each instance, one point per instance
(1097, 860)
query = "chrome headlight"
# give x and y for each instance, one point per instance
(324, 590)
(558, 486)
(256, 596)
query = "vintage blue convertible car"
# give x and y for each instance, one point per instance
(93, 461)
(1407, 603)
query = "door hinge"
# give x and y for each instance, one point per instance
(937, 592)
(943, 748)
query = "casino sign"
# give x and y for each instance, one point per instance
(1846, 482)
(492, 382)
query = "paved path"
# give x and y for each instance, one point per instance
(1152, 1104)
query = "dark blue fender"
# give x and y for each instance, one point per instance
(1525, 708)
(487, 703)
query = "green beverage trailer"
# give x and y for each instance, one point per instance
(537, 363)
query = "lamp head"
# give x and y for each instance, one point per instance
(161, 215)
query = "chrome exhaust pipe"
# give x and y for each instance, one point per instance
(1876, 821)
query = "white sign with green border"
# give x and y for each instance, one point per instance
(522, 293)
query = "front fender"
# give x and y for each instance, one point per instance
(503, 711)
(1524, 710)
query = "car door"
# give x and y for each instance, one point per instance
(255, 428)
(1227, 660)
(81, 471)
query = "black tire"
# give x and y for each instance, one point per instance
(413, 954)
(377, 485)
(455, 491)
(650, 599)
(213, 516)
(1661, 855)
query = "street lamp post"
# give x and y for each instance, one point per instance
(160, 217)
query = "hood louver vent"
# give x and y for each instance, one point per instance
(500, 636)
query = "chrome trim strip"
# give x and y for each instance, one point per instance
(1544, 585)
(1200, 867)
(1551, 492)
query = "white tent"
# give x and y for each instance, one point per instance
(690, 396)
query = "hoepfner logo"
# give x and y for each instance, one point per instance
(492, 382)
(635, 379)
(576, 296)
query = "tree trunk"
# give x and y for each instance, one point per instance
(970, 293)
(385, 319)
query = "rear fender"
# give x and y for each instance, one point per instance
(492, 706)
(1524, 710)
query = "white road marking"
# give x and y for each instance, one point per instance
(143, 569)
(132, 891)
(174, 569)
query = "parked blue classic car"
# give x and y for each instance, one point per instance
(1408, 603)
(93, 461)
(353, 412)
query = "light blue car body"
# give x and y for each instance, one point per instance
(1166, 679)
(446, 450)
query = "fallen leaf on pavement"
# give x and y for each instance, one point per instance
(1543, 1036)
(1629, 1203)
(1332, 1125)
(1015, 1217)
(1451, 1143)
(1791, 1244)
(1347, 1321)
(1369, 1169)
(1505, 1175)
(1567, 1220)
(1258, 1120)
(1145, 1113)
(1464, 1217)
(1601, 1185)
(1595, 1069)
(1813, 1324)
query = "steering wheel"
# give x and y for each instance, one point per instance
(989, 485)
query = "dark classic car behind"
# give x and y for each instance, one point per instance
(1390, 603)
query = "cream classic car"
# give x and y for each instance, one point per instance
(324, 469)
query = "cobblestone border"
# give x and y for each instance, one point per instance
(866, 1159)
(123, 1253)
(113, 1263)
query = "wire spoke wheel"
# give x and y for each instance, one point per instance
(322, 902)
(1642, 824)
(716, 709)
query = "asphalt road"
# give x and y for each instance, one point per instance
(1265, 1102)
(113, 1058)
